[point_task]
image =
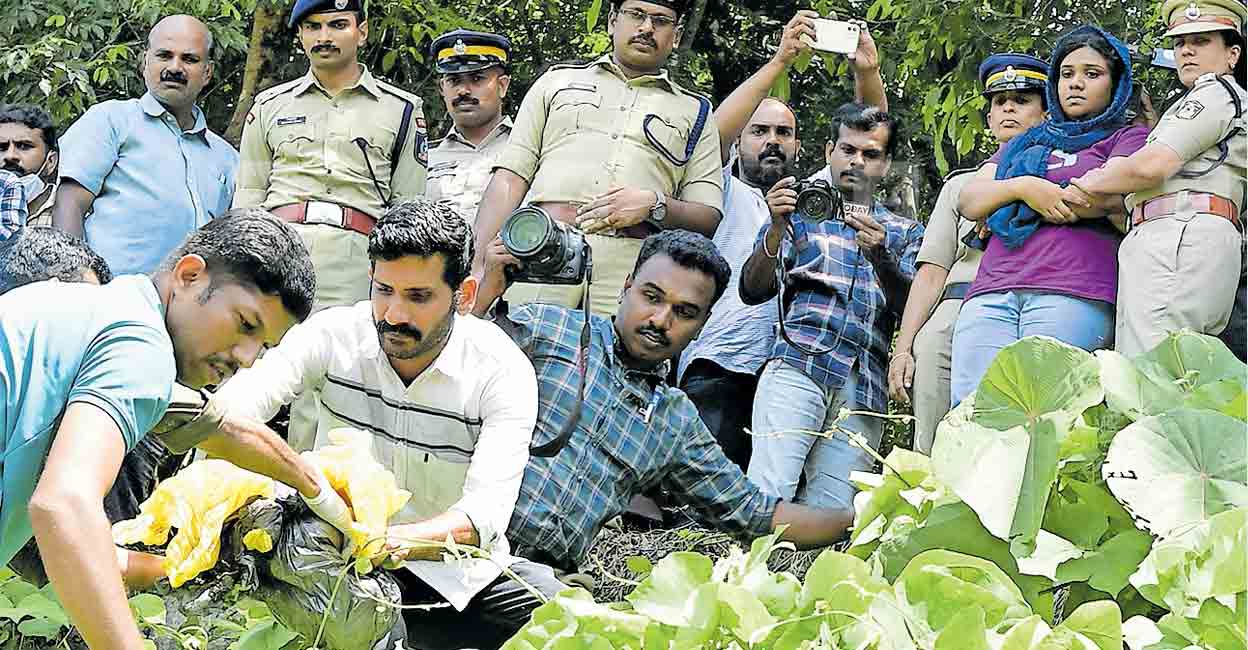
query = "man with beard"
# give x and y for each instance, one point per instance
(613, 147)
(138, 175)
(719, 370)
(28, 149)
(329, 151)
(473, 80)
(1014, 88)
(450, 403)
(844, 281)
(611, 425)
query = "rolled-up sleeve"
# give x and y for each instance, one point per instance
(716, 488)
(508, 415)
(90, 147)
(704, 175)
(524, 148)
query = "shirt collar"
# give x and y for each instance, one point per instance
(154, 108)
(499, 129)
(608, 61)
(366, 81)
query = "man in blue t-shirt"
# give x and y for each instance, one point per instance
(86, 371)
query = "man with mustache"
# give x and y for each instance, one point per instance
(473, 80)
(329, 151)
(137, 176)
(719, 370)
(450, 403)
(617, 427)
(28, 149)
(845, 278)
(613, 147)
(1014, 88)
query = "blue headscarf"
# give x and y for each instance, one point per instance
(1028, 154)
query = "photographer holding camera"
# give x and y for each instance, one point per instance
(846, 271)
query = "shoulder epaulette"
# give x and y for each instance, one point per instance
(566, 65)
(399, 92)
(273, 91)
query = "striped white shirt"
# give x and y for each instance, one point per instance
(458, 437)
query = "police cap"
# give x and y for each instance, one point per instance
(466, 51)
(1010, 71)
(1192, 16)
(305, 8)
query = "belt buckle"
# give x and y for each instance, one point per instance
(323, 212)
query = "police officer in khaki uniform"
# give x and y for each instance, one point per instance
(330, 150)
(473, 80)
(1181, 262)
(1014, 88)
(613, 147)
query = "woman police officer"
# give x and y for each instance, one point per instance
(1180, 264)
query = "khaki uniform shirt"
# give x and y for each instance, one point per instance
(580, 132)
(299, 144)
(1192, 126)
(942, 243)
(459, 171)
(43, 217)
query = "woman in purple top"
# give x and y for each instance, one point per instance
(1050, 266)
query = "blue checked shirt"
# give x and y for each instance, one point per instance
(825, 264)
(635, 432)
(12, 205)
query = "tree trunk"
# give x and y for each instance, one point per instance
(267, 19)
(692, 24)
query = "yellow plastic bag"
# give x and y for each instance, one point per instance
(196, 502)
(368, 487)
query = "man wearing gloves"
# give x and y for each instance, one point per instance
(86, 371)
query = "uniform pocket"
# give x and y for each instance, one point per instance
(580, 105)
(295, 141)
(672, 136)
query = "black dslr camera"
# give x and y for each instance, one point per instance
(817, 200)
(551, 252)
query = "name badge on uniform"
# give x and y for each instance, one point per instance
(443, 166)
(294, 119)
(579, 85)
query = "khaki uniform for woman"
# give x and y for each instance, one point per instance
(1180, 264)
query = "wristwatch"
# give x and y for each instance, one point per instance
(658, 212)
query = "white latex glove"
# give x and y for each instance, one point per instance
(329, 506)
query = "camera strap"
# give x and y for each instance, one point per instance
(704, 112)
(782, 299)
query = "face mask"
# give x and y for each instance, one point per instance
(33, 185)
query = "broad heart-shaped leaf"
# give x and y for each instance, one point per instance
(743, 613)
(904, 488)
(1093, 626)
(955, 527)
(1108, 567)
(268, 635)
(939, 584)
(1179, 468)
(966, 631)
(665, 595)
(1185, 370)
(1036, 377)
(1204, 562)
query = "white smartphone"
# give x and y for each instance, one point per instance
(835, 36)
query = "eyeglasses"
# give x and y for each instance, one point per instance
(638, 18)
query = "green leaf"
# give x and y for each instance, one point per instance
(743, 613)
(967, 631)
(780, 89)
(388, 61)
(1098, 624)
(40, 627)
(591, 15)
(1179, 468)
(40, 606)
(1035, 378)
(148, 608)
(802, 62)
(938, 585)
(666, 593)
(1204, 562)
(639, 565)
(1186, 369)
(1108, 567)
(267, 635)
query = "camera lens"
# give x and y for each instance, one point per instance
(814, 203)
(527, 232)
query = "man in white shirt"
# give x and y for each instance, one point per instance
(451, 403)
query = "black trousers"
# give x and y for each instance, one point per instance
(1235, 335)
(491, 618)
(725, 400)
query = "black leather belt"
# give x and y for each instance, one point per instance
(955, 291)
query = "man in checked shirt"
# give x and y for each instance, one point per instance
(846, 285)
(634, 430)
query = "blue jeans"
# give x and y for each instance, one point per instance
(788, 400)
(989, 322)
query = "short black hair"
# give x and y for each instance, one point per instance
(41, 253)
(32, 117)
(252, 247)
(690, 250)
(1098, 43)
(864, 117)
(422, 228)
